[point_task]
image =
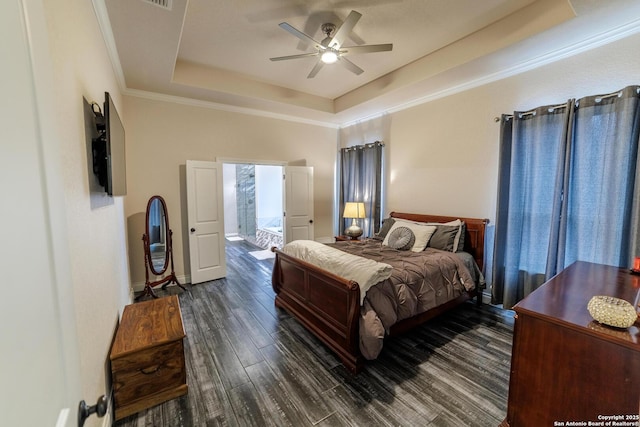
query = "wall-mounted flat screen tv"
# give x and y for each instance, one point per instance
(109, 163)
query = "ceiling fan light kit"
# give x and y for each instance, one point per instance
(330, 50)
(329, 57)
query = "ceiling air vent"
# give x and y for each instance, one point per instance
(165, 4)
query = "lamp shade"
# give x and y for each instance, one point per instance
(354, 210)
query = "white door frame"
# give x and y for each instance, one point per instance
(250, 161)
(284, 166)
(236, 161)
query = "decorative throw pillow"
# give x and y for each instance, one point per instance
(401, 238)
(458, 243)
(384, 230)
(422, 234)
(444, 237)
(463, 231)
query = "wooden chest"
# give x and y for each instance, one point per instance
(147, 357)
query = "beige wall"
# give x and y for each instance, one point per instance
(443, 155)
(161, 136)
(96, 236)
(442, 158)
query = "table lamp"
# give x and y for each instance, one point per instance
(353, 210)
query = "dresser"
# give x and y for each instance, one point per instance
(147, 356)
(565, 367)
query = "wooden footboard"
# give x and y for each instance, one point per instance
(329, 306)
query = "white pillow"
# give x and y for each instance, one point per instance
(457, 222)
(422, 233)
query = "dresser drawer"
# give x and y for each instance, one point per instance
(147, 372)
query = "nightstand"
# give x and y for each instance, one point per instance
(344, 238)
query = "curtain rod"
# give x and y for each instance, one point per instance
(611, 95)
(598, 98)
(371, 144)
(530, 112)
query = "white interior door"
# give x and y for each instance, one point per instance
(205, 211)
(39, 361)
(298, 196)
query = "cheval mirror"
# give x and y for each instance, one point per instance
(158, 251)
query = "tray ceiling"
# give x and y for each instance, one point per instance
(218, 51)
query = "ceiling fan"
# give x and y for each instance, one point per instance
(330, 49)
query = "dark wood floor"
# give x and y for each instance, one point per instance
(250, 364)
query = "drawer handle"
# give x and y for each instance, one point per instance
(150, 370)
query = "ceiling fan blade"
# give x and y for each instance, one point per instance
(345, 29)
(302, 36)
(315, 69)
(350, 50)
(302, 55)
(350, 66)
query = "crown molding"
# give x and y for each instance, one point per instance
(593, 42)
(155, 96)
(100, 10)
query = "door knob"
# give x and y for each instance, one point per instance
(193, 230)
(84, 410)
(310, 221)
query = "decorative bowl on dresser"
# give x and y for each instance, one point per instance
(566, 368)
(147, 356)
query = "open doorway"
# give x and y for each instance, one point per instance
(253, 203)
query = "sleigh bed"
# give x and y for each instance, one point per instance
(330, 306)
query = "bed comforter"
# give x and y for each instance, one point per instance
(419, 282)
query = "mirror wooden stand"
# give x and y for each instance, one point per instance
(158, 250)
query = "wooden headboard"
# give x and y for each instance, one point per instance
(474, 237)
